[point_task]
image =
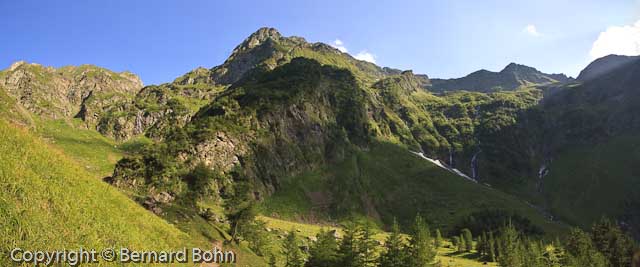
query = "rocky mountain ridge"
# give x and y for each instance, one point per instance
(66, 92)
(511, 77)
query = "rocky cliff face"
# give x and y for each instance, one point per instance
(68, 91)
(153, 110)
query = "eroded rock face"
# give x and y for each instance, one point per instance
(63, 92)
(221, 152)
(153, 110)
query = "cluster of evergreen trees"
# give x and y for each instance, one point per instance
(357, 248)
(606, 246)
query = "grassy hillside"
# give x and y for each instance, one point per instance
(389, 181)
(49, 202)
(587, 182)
(93, 151)
(98, 154)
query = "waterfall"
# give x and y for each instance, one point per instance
(542, 172)
(451, 157)
(474, 165)
(442, 165)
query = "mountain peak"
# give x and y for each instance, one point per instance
(16, 65)
(514, 67)
(260, 36)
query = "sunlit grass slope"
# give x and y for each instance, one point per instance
(96, 153)
(49, 202)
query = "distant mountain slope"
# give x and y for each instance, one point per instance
(510, 78)
(604, 65)
(67, 91)
(572, 153)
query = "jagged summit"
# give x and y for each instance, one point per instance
(259, 37)
(267, 48)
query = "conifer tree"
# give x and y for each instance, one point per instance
(582, 251)
(395, 251)
(613, 243)
(291, 250)
(483, 244)
(555, 255)
(367, 247)
(510, 248)
(324, 252)
(468, 239)
(491, 250)
(462, 244)
(422, 252)
(348, 251)
(438, 241)
(532, 254)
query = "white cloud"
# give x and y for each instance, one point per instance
(366, 56)
(532, 30)
(619, 40)
(362, 55)
(338, 44)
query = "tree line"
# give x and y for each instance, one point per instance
(606, 245)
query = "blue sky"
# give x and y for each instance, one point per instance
(161, 40)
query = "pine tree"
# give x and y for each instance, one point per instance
(462, 244)
(480, 245)
(484, 244)
(324, 252)
(348, 251)
(468, 239)
(614, 244)
(510, 247)
(421, 246)
(367, 247)
(395, 250)
(438, 241)
(582, 251)
(291, 250)
(554, 255)
(532, 254)
(240, 207)
(253, 232)
(491, 250)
